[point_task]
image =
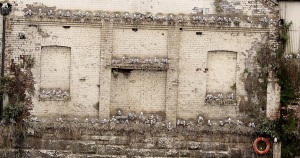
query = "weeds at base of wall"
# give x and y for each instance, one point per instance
(233, 87)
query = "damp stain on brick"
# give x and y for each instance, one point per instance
(125, 72)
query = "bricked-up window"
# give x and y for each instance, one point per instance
(139, 90)
(55, 68)
(221, 74)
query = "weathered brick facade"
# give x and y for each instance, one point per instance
(91, 60)
(103, 43)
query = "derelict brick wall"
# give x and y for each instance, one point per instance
(106, 50)
(144, 43)
(154, 6)
(84, 65)
(186, 50)
(174, 34)
(193, 70)
(221, 72)
(95, 43)
(55, 68)
(139, 91)
(110, 140)
(1, 29)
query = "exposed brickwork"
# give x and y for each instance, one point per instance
(142, 43)
(174, 33)
(138, 91)
(115, 140)
(83, 75)
(193, 63)
(55, 68)
(186, 76)
(219, 65)
(105, 72)
(100, 83)
(168, 6)
(273, 100)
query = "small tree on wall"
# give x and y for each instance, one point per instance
(287, 71)
(18, 88)
(218, 6)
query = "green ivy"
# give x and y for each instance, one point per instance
(13, 111)
(288, 74)
(286, 131)
(15, 88)
(286, 128)
(5, 81)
